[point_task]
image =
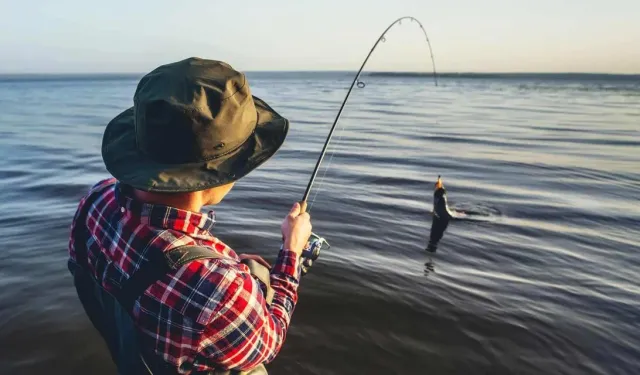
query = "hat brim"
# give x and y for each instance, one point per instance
(132, 167)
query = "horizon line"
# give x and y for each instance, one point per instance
(390, 72)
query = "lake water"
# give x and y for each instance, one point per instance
(546, 283)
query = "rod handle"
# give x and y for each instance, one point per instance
(303, 206)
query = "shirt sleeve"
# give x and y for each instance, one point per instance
(76, 237)
(245, 331)
(73, 238)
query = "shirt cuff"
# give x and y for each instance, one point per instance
(288, 263)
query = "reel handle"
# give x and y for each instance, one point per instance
(311, 251)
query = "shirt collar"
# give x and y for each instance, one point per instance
(190, 222)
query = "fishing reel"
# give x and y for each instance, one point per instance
(312, 251)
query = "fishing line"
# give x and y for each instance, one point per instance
(360, 84)
(333, 152)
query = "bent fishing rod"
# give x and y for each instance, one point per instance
(316, 243)
(360, 84)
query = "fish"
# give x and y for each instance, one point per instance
(442, 215)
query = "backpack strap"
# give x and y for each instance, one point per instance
(263, 274)
(160, 264)
(173, 259)
(181, 255)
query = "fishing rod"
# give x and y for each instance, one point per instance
(381, 38)
(316, 243)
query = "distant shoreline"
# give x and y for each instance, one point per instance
(554, 76)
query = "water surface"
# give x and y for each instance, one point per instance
(548, 285)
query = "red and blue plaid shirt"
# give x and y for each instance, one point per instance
(209, 314)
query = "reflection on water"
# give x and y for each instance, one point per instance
(429, 266)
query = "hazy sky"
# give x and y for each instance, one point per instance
(466, 35)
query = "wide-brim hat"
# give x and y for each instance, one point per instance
(194, 125)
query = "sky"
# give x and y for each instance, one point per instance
(83, 36)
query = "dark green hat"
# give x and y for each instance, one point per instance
(194, 125)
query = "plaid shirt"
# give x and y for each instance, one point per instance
(211, 313)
